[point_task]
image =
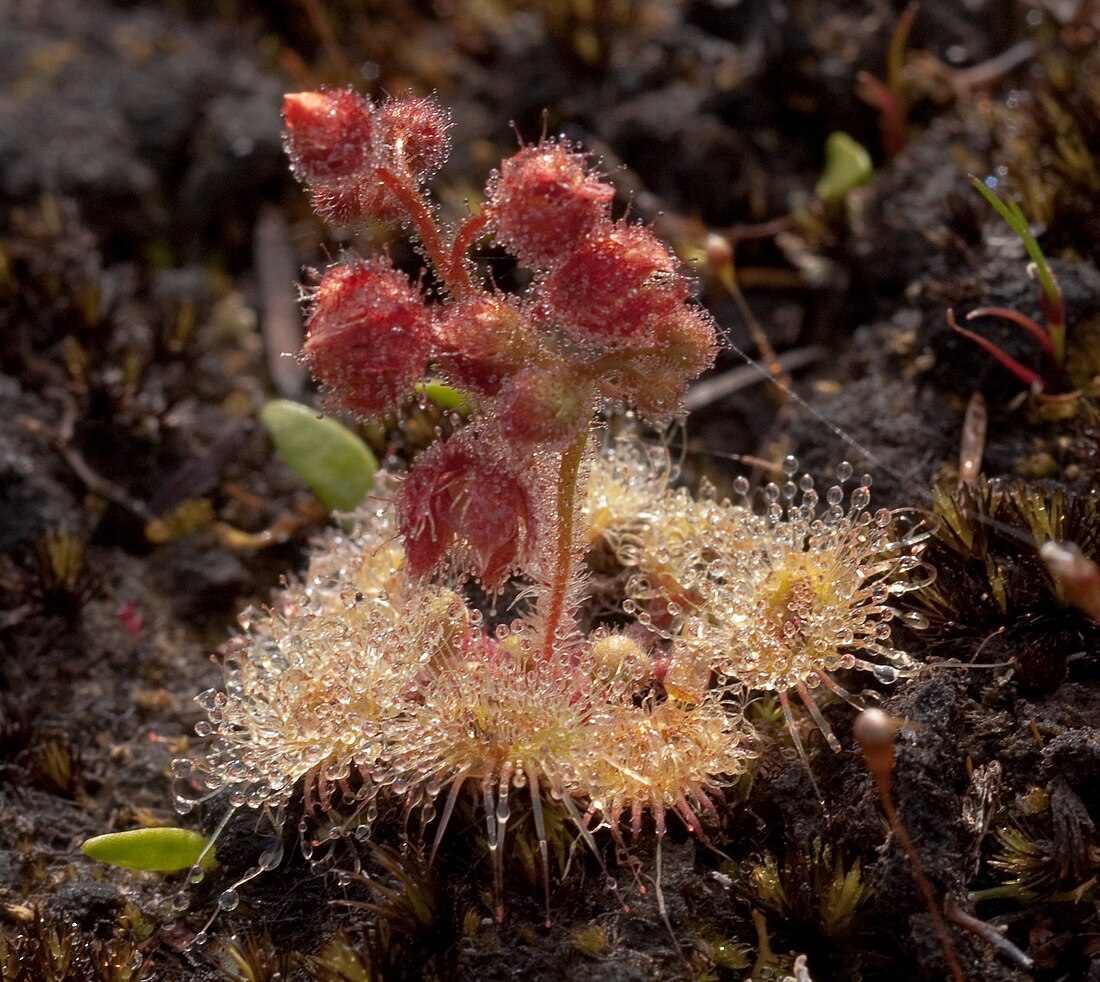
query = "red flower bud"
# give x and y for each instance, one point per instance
(329, 136)
(369, 336)
(653, 381)
(613, 287)
(546, 405)
(464, 506)
(686, 339)
(483, 339)
(415, 131)
(544, 201)
(338, 206)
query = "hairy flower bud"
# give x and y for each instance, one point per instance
(369, 336)
(610, 291)
(338, 141)
(463, 507)
(415, 130)
(546, 405)
(482, 340)
(544, 201)
(329, 136)
(653, 382)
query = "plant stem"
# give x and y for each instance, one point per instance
(561, 572)
(451, 267)
(464, 240)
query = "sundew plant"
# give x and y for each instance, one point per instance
(380, 683)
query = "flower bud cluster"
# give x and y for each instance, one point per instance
(610, 301)
(340, 143)
(607, 318)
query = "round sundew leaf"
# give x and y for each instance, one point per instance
(161, 850)
(338, 467)
(443, 396)
(847, 165)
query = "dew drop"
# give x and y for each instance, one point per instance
(885, 673)
(197, 874)
(229, 900)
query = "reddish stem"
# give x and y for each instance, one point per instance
(1016, 317)
(561, 574)
(891, 112)
(1022, 372)
(468, 233)
(455, 275)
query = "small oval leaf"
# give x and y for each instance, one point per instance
(338, 466)
(162, 850)
(847, 165)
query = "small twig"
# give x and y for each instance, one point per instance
(719, 386)
(972, 442)
(281, 320)
(987, 932)
(991, 70)
(94, 482)
(60, 439)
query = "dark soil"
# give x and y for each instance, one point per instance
(151, 239)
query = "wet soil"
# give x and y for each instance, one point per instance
(151, 240)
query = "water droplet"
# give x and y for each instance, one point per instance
(197, 874)
(885, 673)
(229, 900)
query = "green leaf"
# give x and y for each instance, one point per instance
(162, 850)
(847, 165)
(1012, 213)
(338, 466)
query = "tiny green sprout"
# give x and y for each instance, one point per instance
(443, 396)
(814, 887)
(1052, 336)
(1052, 301)
(730, 955)
(847, 165)
(163, 850)
(338, 467)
